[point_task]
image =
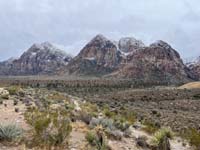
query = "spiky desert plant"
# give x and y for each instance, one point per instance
(50, 128)
(161, 134)
(9, 132)
(100, 140)
(104, 122)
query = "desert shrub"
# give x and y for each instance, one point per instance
(90, 108)
(193, 136)
(50, 128)
(107, 112)
(196, 97)
(88, 111)
(13, 90)
(122, 115)
(85, 117)
(121, 124)
(15, 102)
(105, 123)
(97, 138)
(45, 103)
(108, 125)
(90, 137)
(21, 93)
(57, 96)
(114, 134)
(69, 106)
(1, 101)
(128, 116)
(10, 132)
(122, 118)
(161, 134)
(150, 127)
(141, 141)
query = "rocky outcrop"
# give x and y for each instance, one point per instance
(129, 44)
(100, 56)
(3, 93)
(158, 63)
(194, 68)
(39, 59)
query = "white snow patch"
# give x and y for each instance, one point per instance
(33, 53)
(90, 58)
(125, 54)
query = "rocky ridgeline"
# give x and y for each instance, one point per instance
(128, 58)
(37, 60)
(195, 68)
(158, 62)
(131, 59)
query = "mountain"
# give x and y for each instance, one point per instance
(99, 57)
(129, 44)
(39, 59)
(157, 63)
(194, 67)
(128, 58)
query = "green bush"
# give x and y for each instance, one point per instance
(150, 127)
(161, 134)
(196, 97)
(89, 108)
(50, 128)
(123, 115)
(10, 132)
(193, 136)
(107, 112)
(13, 90)
(90, 137)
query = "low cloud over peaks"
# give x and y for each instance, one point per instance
(73, 23)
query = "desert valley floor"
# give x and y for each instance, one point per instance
(126, 118)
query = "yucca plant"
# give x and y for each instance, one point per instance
(10, 132)
(161, 134)
(97, 138)
(100, 140)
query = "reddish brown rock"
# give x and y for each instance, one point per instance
(100, 56)
(39, 59)
(157, 63)
(195, 68)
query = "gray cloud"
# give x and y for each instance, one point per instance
(70, 24)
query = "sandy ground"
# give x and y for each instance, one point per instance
(9, 116)
(192, 85)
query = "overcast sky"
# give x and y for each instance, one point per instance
(70, 24)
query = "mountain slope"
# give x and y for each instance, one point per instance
(38, 59)
(194, 68)
(98, 57)
(157, 63)
(129, 44)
